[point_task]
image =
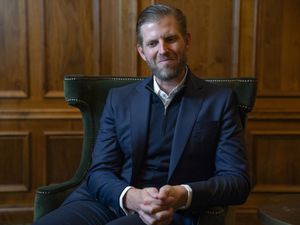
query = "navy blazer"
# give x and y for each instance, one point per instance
(208, 150)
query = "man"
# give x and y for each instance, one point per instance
(168, 147)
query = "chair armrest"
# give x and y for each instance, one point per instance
(48, 198)
(222, 215)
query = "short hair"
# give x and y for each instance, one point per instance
(157, 11)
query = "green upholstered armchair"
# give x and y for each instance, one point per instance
(88, 93)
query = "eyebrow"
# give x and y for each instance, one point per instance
(164, 37)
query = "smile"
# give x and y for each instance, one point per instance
(165, 60)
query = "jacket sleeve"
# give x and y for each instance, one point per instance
(103, 180)
(230, 183)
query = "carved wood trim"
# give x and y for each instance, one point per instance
(36, 114)
(265, 188)
(25, 171)
(14, 56)
(47, 136)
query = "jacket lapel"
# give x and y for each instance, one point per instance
(139, 109)
(189, 108)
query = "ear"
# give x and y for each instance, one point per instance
(188, 39)
(141, 52)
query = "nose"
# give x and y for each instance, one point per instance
(163, 47)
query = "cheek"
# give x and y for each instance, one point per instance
(150, 56)
(180, 48)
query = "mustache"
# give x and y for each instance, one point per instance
(164, 57)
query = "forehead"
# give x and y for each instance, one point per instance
(166, 25)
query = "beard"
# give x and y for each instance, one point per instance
(168, 72)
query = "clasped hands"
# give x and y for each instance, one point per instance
(156, 206)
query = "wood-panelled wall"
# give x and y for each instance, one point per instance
(41, 41)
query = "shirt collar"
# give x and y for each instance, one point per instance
(167, 98)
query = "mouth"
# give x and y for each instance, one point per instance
(165, 60)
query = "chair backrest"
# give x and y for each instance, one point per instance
(88, 93)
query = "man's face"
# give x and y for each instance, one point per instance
(164, 48)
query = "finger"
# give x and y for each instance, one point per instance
(165, 188)
(167, 195)
(146, 218)
(149, 200)
(153, 208)
(165, 191)
(161, 218)
(165, 216)
(153, 192)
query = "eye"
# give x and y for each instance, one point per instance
(171, 39)
(152, 44)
